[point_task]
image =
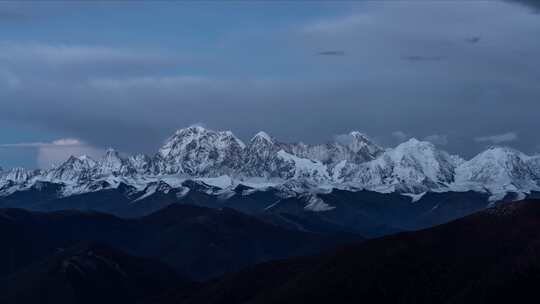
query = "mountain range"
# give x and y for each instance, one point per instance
(487, 257)
(350, 162)
(197, 242)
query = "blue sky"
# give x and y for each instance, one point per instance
(126, 74)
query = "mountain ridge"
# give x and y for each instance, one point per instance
(351, 161)
(487, 257)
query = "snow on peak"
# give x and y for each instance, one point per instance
(351, 160)
(413, 143)
(198, 151)
(197, 134)
(191, 129)
(358, 134)
(262, 136)
(359, 137)
(228, 136)
(82, 161)
(73, 169)
(361, 143)
(112, 164)
(423, 154)
(413, 166)
(499, 169)
(299, 168)
(501, 151)
(354, 147)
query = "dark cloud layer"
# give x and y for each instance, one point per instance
(463, 75)
(10, 11)
(473, 40)
(332, 53)
(415, 58)
(534, 4)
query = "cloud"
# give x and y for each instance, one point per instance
(57, 151)
(71, 54)
(417, 58)
(259, 81)
(400, 135)
(62, 142)
(338, 25)
(438, 139)
(473, 39)
(332, 53)
(147, 82)
(498, 138)
(533, 4)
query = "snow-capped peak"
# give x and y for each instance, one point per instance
(413, 166)
(198, 151)
(191, 135)
(194, 129)
(360, 137)
(413, 142)
(499, 169)
(357, 134)
(81, 161)
(73, 169)
(362, 144)
(436, 165)
(112, 163)
(262, 136)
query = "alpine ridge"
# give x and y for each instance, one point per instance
(350, 162)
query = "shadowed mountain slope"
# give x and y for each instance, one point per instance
(89, 273)
(490, 257)
(198, 242)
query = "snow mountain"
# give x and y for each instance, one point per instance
(499, 170)
(197, 151)
(352, 162)
(411, 167)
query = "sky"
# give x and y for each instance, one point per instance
(79, 77)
